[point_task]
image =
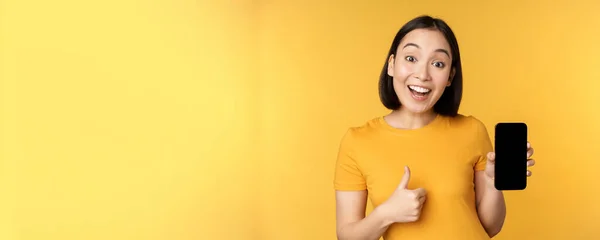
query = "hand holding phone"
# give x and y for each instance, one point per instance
(511, 156)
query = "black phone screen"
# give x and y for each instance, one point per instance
(511, 156)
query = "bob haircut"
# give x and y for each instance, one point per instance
(449, 102)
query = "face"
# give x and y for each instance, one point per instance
(421, 69)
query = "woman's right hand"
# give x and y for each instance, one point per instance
(404, 205)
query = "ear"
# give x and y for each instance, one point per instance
(390, 68)
(452, 73)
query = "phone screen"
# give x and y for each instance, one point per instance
(511, 156)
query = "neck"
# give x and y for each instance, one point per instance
(409, 120)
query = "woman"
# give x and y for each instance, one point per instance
(428, 170)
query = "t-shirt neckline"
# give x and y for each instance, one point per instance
(431, 125)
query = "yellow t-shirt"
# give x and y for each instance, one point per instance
(442, 156)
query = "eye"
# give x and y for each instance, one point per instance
(410, 58)
(439, 64)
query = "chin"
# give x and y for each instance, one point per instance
(417, 109)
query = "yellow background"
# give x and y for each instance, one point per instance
(221, 120)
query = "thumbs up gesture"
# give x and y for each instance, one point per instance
(404, 205)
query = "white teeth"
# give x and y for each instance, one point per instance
(419, 89)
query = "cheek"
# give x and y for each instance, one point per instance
(440, 78)
(402, 71)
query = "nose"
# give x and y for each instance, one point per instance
(422, 72)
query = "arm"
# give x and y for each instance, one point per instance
(351, 197)
(491, 208)
(351, 220)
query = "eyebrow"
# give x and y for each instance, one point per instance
(417, 46)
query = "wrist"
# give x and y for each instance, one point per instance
(490, 185)
(382, 215)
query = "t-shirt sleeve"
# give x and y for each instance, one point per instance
(482, 144)
(348, 176)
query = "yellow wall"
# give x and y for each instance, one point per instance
(205, 120)
(128, 120)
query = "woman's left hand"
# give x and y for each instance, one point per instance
(490, 166)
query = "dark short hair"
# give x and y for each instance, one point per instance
(449, 102)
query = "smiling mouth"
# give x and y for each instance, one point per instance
(419, 91)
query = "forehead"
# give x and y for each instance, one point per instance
(426, 39)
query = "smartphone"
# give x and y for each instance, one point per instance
(511, 156)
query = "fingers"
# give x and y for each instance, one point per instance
(422, 201)
(405, 179)
(530, 163)
(422, 198)
(420, 192)
(529, 152)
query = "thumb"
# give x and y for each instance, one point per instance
(491, 157)
(405, 179)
